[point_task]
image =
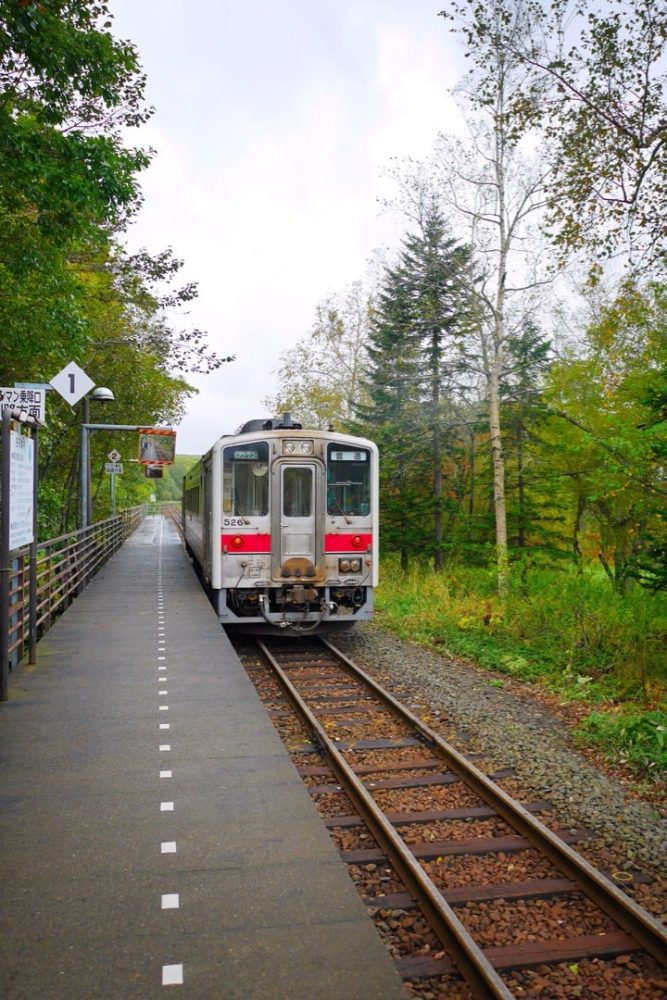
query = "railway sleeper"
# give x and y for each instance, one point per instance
(433, 815)
(527, 954)
(442, 778)
(427, 850)
(542, 888)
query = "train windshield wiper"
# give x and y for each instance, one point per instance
(338, 504)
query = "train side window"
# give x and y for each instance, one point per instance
(348, 480)
(297, 491)
(245, 480)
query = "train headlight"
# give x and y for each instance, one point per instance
(344, 565)
(291, 447)
(355, 565)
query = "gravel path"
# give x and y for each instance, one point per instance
(518, 731)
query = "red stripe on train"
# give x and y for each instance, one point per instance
(245, 543)
(357, 542)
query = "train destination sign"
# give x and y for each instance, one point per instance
(157, 445)
(349, 456)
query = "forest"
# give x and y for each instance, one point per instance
(509, 356)
(510, 359)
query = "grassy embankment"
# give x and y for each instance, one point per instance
(567, 632)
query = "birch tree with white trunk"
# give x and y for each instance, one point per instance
(493, 181)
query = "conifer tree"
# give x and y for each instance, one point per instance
(423, 307)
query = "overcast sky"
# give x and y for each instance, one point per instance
(274, 125)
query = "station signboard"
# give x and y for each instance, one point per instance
(27, 399)
(21, 490)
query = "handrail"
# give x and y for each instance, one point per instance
(64, 566)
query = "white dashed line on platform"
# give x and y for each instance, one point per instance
(165, 725)
(165, 774)
(170, 901)
(172, 975)
(164, 708)
(166, 807)
(168, 847)
(165, 747)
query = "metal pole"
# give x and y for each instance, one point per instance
(4, 558)
(113, 494)
(84, 461)
(32, 648)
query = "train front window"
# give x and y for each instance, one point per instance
(297, 491)
(246, 480)
(348, 481)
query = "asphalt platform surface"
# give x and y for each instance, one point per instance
(155, 838)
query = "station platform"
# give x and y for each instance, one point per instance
(155, 838)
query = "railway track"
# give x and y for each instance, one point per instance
(174, 512)
(462, 879)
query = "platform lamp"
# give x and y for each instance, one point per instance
(99, 395)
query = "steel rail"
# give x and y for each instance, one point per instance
(649, 932)
(480, 975)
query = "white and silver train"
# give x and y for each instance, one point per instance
(282, 524)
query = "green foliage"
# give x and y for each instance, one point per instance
(423, 310)
(639, 740)
(69, 93)
(170, 487)
(566, 631)
(319, 380)
(604, 441)
(567, 627)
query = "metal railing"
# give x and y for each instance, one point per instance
(63, 567)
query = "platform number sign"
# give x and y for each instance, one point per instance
(72, 383)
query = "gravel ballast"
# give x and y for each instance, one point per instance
(519, 731)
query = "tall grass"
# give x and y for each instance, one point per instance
(565, 629)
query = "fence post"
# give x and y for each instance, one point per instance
(4, 560)
(32, 655)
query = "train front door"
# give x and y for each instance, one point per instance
(300, 534)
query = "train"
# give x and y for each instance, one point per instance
(281, 523)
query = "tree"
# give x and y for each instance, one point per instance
(597, 89)
(532, 510)
(438, 278)
(69, 91)
(488, 182)
(319, 379)
(424, 308)
(391, 413)
(609, 447)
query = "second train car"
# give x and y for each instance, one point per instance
(282, 524)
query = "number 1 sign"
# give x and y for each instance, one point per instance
(72, 383)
